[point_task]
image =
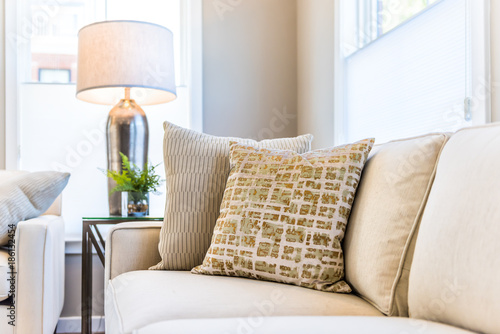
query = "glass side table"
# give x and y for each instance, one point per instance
(92, 237)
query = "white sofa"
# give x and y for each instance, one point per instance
(449, 268)
(39, 279)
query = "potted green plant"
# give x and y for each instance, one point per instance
(135, 184)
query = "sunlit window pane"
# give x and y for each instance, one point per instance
(394, 12)
(364, 21)
(48, 37)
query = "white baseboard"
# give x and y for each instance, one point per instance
(74, 324)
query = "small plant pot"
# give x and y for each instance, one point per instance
(135, 204)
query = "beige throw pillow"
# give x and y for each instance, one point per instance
(378, 244)
(284, 215)
(196, 170)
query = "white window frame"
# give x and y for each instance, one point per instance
(2, 88)
(12, 137)
(480, 67)
(192, 72)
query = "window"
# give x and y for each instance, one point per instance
(410, 67)
(54, 130)
(368, 20)
(48, 40)
(54, 75)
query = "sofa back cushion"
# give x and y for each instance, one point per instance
(384, 219)
(455, 274)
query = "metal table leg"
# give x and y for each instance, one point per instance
(86, 280)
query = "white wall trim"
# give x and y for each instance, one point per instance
(2, 86)
(480, 54)
(74, 324)
(193, 12)
(73, 246)
(11, 98)
(339, 112)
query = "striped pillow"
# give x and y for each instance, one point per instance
(27, 195)
(196, 170)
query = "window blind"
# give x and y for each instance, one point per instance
(411, 81)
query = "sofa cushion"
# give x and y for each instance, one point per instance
(4, 274)
(196, 170)
(284, 214)
(138, 298)
(26, 196)
(384, 219)
(257, 324)
(456, 268)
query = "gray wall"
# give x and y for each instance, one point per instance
(315, 63)
(250, 68)
(72, 288)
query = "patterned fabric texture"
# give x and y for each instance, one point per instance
(283, 215)
(27, 196)
(196, 170)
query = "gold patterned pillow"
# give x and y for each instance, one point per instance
(283, 215)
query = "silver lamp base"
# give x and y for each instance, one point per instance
(126, 132)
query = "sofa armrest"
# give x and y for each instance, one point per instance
(39, 296)
(131, 246)
(55, 208)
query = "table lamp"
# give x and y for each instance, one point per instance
(125, 63)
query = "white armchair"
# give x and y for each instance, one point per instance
(39, 278)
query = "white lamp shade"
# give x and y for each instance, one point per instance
(113, 55)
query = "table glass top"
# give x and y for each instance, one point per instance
(111, 218)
